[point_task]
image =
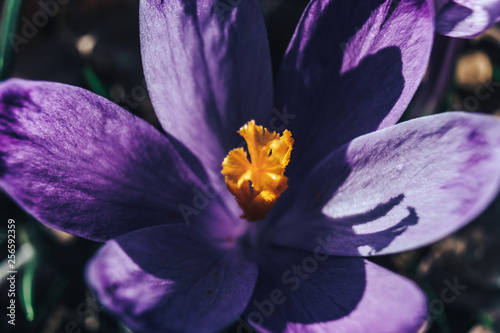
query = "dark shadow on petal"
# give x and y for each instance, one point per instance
(346, 225)
(331, 105)
(309, 149)
(382, 89)
(379, 211)
(305, 288)
(347, 108)
(381, 239)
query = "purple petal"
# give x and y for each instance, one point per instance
(352, 67)
(208, 70)
(466, 18)
(170, 279)
(399, 188)
(84, 165)
(311, 292)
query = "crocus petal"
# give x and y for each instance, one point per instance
(312, 292)
(466, 18)
(208, 71)
(82, 164)
(352, 67)
(399, 188)
(170, 279)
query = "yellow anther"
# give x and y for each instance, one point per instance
(257, 183)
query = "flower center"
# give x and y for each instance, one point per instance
(257, 183)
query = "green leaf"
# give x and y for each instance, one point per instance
(27, 289)
(8, 24)
(93, 80)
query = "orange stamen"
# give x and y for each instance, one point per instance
(257, 183)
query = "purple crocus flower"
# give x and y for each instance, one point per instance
(466, 18)
(358, 185)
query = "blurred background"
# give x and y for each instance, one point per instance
(94, 44)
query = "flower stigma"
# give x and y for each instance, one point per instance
(259, 181)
